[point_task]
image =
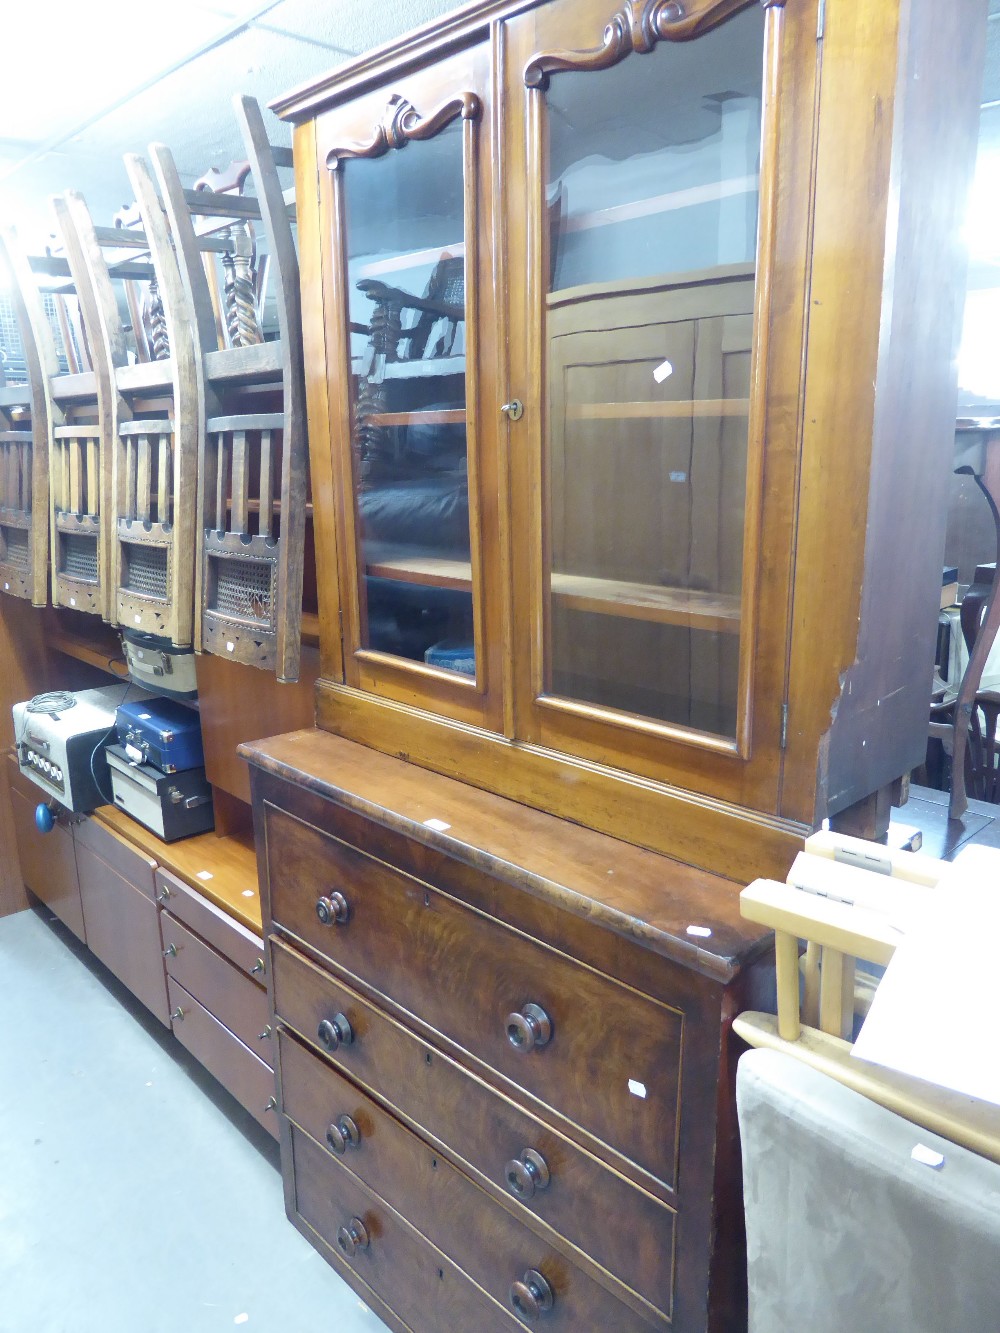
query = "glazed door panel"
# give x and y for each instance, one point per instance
(647, 143)
(408, 200)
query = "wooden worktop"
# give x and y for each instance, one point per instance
(222, 869)
(639, 894)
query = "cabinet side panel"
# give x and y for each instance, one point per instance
(896, 113)
(885, 699)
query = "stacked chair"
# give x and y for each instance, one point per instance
(165, 460)
(252, 474)
(25, 412)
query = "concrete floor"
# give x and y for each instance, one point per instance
(135, 1195)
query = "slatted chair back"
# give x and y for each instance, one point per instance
(25, 419)
(253, 471)
(81, 436)
(153, 439)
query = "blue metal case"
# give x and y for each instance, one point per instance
(162, 733)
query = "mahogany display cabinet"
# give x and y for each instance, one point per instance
(629, 338)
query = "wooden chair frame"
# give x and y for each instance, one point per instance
(151, 463)
(248, 583)
(26, 413)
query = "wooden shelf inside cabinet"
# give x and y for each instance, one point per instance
(224, 870)
(428, 571)
(693, 407)
(714, 611)
(445, 416)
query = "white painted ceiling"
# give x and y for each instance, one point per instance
(86, 81)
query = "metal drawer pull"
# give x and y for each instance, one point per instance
(164, 894)
(177, 1015)
(333, 910)
(353, 1237)
(263, 1036)
(258, 968)
(342, 1134)
(532, 1296)
(528, 1028)
(526, 1174)
(170, 951)
(271, 1104)
(335, 1032)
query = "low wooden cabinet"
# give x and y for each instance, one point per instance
(218, 1004)
(507, 1033)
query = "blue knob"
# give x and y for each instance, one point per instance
(45, 820)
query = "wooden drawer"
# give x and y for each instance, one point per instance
(236, 1067)
(232, 939)
(416, 1281)
(225, 992)
(122, 930)
(612, 1064)
(484, 1238)
(127, 860)
(48, 860)
(481, 1128)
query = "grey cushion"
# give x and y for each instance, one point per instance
(845, 1231)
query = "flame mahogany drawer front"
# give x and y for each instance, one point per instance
(599, 1053)
(486, 1242)
(382, 1253)
(540, 1173)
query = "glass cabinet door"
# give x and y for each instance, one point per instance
(409, 211)
(644, 154)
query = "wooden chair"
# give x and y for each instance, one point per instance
(25, 423)
(151, 439)
(253, 466)
(815, 1014)
(79, 428)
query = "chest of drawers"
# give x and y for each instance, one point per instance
(503, 1051)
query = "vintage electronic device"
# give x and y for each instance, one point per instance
(160, 732)
(60, 741)
(173, 805)
(156, 664)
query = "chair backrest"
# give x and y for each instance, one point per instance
(80, 455)
(856, 1217)
(253, 466)
(25, 423)
(151, 442)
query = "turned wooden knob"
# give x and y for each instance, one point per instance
(342, 1134)
(526, 1174)
(532, 1296)
(335, 1032)
(529, 1027)
(353, 1237)
(333, 909)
